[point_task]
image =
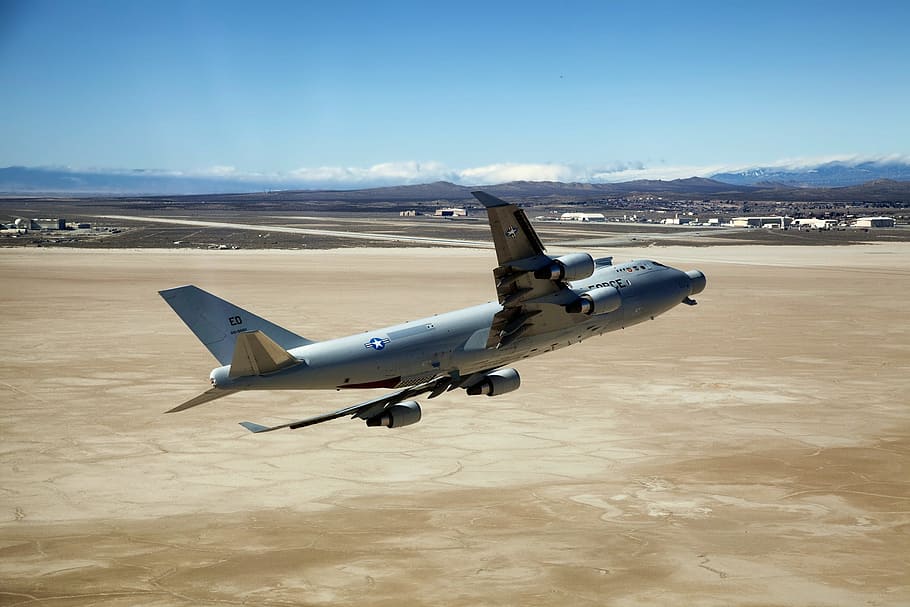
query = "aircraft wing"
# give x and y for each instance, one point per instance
(364, 410)
(527, 299)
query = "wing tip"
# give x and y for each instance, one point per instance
(166, 293)
(488, 200)
(255, 428)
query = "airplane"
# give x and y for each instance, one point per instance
(545, 303)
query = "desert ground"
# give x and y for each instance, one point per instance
(751, 450)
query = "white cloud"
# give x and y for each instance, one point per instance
(220, 171)
(387, 172)
(501, 173)
(411, 172)
(656, 172)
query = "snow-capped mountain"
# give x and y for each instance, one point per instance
(829, 174)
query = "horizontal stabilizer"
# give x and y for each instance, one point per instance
(207, 396)
(256, 354)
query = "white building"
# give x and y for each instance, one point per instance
(875, 222)
(451, 213)
(814, 223)
(761, 222)
(582, 217)
(680, 221)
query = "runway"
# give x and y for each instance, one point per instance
(353, 235)
(751, 450)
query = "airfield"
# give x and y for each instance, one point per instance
(751, 450)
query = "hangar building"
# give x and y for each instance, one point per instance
(761, 222)
(582, 217)
(875, 222)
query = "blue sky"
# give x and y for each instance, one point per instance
(372, 92)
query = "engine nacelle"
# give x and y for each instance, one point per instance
(574, 266)
(397, 415)
(596, 301)
(696, 281)
(496, 383)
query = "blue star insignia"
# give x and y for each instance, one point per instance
(377, 343)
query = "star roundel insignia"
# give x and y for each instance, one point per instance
(512, 232)
(377, 343)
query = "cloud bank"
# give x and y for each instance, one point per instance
(221, 178)
(414, 172)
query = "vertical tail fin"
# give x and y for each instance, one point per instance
(217, 322)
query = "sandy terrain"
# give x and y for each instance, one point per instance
(752, 450)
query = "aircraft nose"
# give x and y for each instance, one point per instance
(697, 281)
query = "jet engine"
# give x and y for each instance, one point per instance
(497, 382)
(574, 266)
(696, 282)
(596, 301)
(397, 415)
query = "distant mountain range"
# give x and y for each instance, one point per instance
(27, 180)
(882, 190)
(867, 181)
(830, 174)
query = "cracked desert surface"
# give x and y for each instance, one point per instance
(751, 450)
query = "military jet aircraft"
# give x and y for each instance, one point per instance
(544, 303)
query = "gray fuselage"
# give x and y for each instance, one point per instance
(455, 342)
